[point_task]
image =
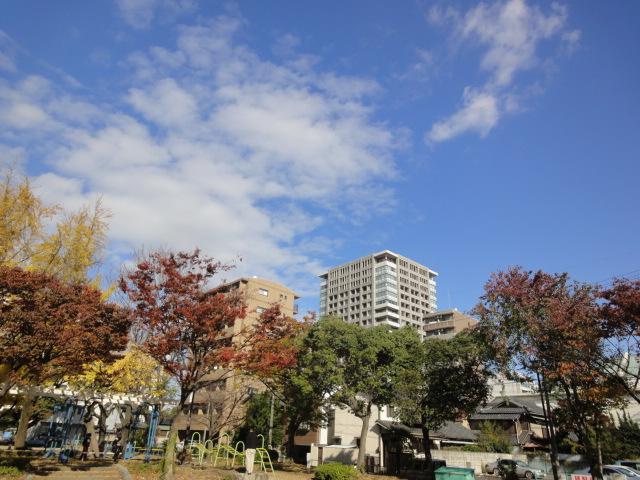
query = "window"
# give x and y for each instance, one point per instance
(263, 291)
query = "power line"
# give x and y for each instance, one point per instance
(624, 275)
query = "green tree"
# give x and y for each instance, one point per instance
(372, 359)
(444, 381)
(258, 417)
(492, 438)
(306, 387)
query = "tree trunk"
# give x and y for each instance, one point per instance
(292, 429)
(125, 423)
(27, 404)
(168, 464)
(426, 445)
(551, 430)
(362, 448)
(102, 426)
(90, 429)
(598, 453)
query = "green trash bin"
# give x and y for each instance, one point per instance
(455, 473)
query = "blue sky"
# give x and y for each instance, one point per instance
(299, 135)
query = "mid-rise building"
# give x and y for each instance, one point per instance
(446, 323)
(220, 404)
(380, 289)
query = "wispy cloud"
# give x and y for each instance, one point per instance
(510, 32)
(479, 113)
(141, 13)
(214, 147)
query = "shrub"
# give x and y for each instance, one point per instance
(9, 471)
(492, 438)
(472, 448)
(335, 471)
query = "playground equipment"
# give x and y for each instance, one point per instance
(148, 450)
(237, 453)
(151, 436)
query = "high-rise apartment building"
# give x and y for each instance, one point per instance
(383, 288)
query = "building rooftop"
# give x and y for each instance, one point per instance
(257, 280)
(378, 254)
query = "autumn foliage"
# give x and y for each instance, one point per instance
(558, 331)
(51, 328)
(189, 327)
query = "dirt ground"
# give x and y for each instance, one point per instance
(141, 471)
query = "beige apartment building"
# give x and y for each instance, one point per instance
(447, 323)
(220, 404)
(380, 289)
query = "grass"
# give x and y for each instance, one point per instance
(13, 467)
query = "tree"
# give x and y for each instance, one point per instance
(188, 326)
(305, 387)
(548, 327)
(259, 417)
(50, 329)
(444, 381)
(620, 321)
(134, 374)
(371, 359)
(492, 438)
(30, 238)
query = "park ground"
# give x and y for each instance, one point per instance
(18, 468)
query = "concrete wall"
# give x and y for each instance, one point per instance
(477, 460)
(348, 455)
(348, 427)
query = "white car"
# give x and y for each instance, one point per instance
(613, 472)
(630, 473)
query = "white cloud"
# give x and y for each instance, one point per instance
(479, 114)
(7, 53)
(140, 13)
(511, 32)
(285, 45)
(421, 69)
(217, 148)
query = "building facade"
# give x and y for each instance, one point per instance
(446, 323)
(380, 289)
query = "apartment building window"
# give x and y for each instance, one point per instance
(263, 291)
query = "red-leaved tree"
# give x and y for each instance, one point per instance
(49, 329)
(550, 328)
(620, 320)
(189, 328)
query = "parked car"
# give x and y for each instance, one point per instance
(612, 472)
(632, 464)
(6, 437)
(522, 469)
(630, 473)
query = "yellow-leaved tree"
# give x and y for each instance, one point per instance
(37, 236)
(45, 238)
(122, 386)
